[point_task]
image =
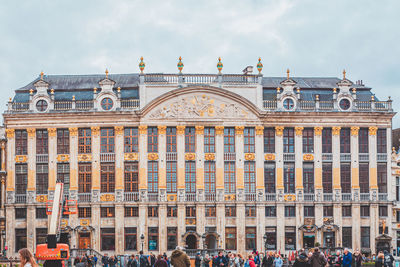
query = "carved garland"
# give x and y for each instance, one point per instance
(31, 132)
(119, 130)
(299, 130)
(95, 131)
(190, 156)
(152, 156)
(209, 156)
(249, 156)
(269, 157)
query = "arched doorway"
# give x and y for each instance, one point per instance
(191, 241)
(211, 242)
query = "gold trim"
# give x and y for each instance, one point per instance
(95, 130)
(41, 198)
(84, 157)
(239, 130)
(209, 156)
(336, 130)
(180, 129)
(142, 129)
(308, 157)
(73, 131)
(64, 223)
(354, 130)
(190, 221)
(31, 132)
(299, 130)
(372, 130)
(10, 133)
(21, 158)
(199, 129)
(219, 130)
(230, 197)
(318, 130)
(190, 156)
(249, 156)
(107, 197)
(172, 197)
(119, 130)
(162, 129)
(131, 156)
(63, 158)
(269, 157)
(259, 130)
(279, 130)
(152, 156)
(84, 222)
(52, 132)
(289, 197)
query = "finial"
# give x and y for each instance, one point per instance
(52, 91)
(334, 90)
(372, 98)
(10, 99)
(344, 74)
(278, 90)
(95, 90)
(31, 91)
(73, 98)
(219, 65)
(141, 65)
(288, 73)
(317, 97)
(354, 90)
(393, 149)
(106, 73)
(259, 65)
(119, 89)
(298, 90)
(41, 75)
(180, 65)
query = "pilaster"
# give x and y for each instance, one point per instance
(31, 165)
(180, 148)
(181, 224)
(374, 224)
(119, 164)
(299, 223)
(10, 228)
(355, 184)
(318, 159)
(372, 148)
(355, 219)
(200, 159)
(337, 219)
(200, 221)
(119, 229)
(219, 157)
(10, 160)
(336, 159)
(221, 224)
(142, 158)
(280, 226)
(239, 148)
(162, 227)
(73, 159)
(31, 227)
(261, 223)
(319, 221)
(95, 222)
(52, 132)
(279, 158)
(298, 143)
(259, 157)
(241, 228)
(142, 226)
(95, 158)
(162, 164)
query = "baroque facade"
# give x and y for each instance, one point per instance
(215, 161)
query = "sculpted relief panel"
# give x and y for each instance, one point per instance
(200, 106)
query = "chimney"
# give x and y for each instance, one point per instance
(248, 70)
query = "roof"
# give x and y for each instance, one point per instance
(306, 82)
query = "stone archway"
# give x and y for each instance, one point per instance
(211, 241)
(191, 239)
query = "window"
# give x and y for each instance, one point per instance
(308, 178)
(172, 211)
(381, 141)
(382, 178)
(171, 139)
(171, 177)
(250, 211)
(107, 140)
(230, 238)
(269, 140)
(290, 238)
(364, 211)
(152, 211)
(380, 230)
(84, 212)
(345, 140)
(85, 141)
(42, 144)
(269, 177)
(229, 140)
(345, 178)
(131, 211)
(107, 173)
(85, 177)
(288, 103)
(230, 211)
(42, 179)
(288, 176)
(211, 211)
(190, 177)
(364, 177)
(20, 213)
(152, 139)
(251, 238)
(327, 177)
(190, 139)
(20, 239)
(41, 235)
(327, 140)
(21, 178)
(365, 237)
(249, 140)
(271, 238)
(131, 176)
(63, 175)
(106, 103)
(131, 140)
(191, 212)
(346, 211)
(290, 211)
(209, 140)
(41, 213)
(230, 177)
(130, 238)
(347, 234)
(250, 177)
(21, 142)
(172, 238)
(209, 177)
(308, 140)
(62, 141)
(328, 211)
(397, 216)
(107, 212)
(153, 238)
(270, 211)
(107, 238)
(288, 140)
(363, 140)
(383, 211)
(152, 176)
(309, 211)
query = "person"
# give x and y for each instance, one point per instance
(179, 258)
(221, 260)
(137, 260)
(380, 260)
(206, 261)
(105, 260)
(301, 260)
(357, 257)
(77, 260)
(197, 260)
(160, 262)
(95, 260)
(256, 257)
(278, 262)
(26, 258)
(152, 259)
(388, 259)
(347, 258)
(268, 260)
(251, 261)
(113, 261)
(143, 262)
(336, 260)
(318, 259)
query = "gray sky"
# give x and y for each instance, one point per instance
(312, 38)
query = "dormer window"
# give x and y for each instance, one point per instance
(107, 103)
(288, 104)
(41, 105)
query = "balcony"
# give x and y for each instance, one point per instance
(229, 156)
(20, 198)
(191, 197)
(364, 196)
(270, 104)
(153, 197)
(210, 196)
(363, 157)
(383, 197)
(130, 103)
(270, 197)
(107, 157)
(345, 157)
(84, 197)
(42, 158)
(309, 197)
(131, 196)
(381, 157)
(172, 156)
(250, 196)
(346, 197)
(328, 197)
(288, 157)
(327, 157)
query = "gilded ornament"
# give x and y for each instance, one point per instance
(119, 130)
(162, 129)
(209, 156)
(107, 197)
(84, 157)
(199, 129)
(52, 132)
(84, 222)
(259, 65)
(31, 132)
(219, 130)
(21, 159)
(249, 156)
(289, 197)
(152, 156)
(230, 197)
(95, 130)
(10, 133)
(142, 129)
(190, 156)
(219, 65)
(180, 129)
(308, 157)
(372, 130)
(141, 65)
(259, 130)
(172, 197)
(41, 198)
(299, 130)
(279, 130)
(63, 158)
(239, 130)
(269, 157)
(64, 223)
(336, 130)
(180, 65)
(73, 131)
(318, 130)
(354, 130)
(131, 156)
(190, 221)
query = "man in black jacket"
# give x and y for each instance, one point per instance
(197, 260)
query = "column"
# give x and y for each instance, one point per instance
(181, 223)
(299, 223)
(31, 189)
(73, 161)
(200, 164)
(373, 165)
(10, 167)
(319, 221)
(280, 226)
(180, 148)
(200, 222)
(355, 185)
(162, 168)
(260, 226)
(10, 229)
(355, 219)
(143, 160)
(3, 154)
(239, 148)
(259, 157)
(162, 227)
(219, 162)
(279, 159)
(142, 226)
(30, 228)
(336, 162)
(298, 144)
(337, 219)
(52, 132)
(119, 229)
(318, 162)
(374, 224)
(221, 224)
(241, 228)
(119, 164)
(95, 221)
(95, 164)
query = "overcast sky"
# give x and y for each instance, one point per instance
(312, 38)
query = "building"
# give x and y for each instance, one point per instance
(216, 161)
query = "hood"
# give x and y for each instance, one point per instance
(176, 253)
(302, 258)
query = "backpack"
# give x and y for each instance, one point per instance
(143, 261)
(388, 261)
(247, 264)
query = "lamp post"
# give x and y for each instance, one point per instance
(142, 240)
(265, 242)
(203, 238)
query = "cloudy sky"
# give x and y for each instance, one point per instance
(311, 37)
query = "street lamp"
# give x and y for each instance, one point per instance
(142, 239)
(265, 241)
(203, 237)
